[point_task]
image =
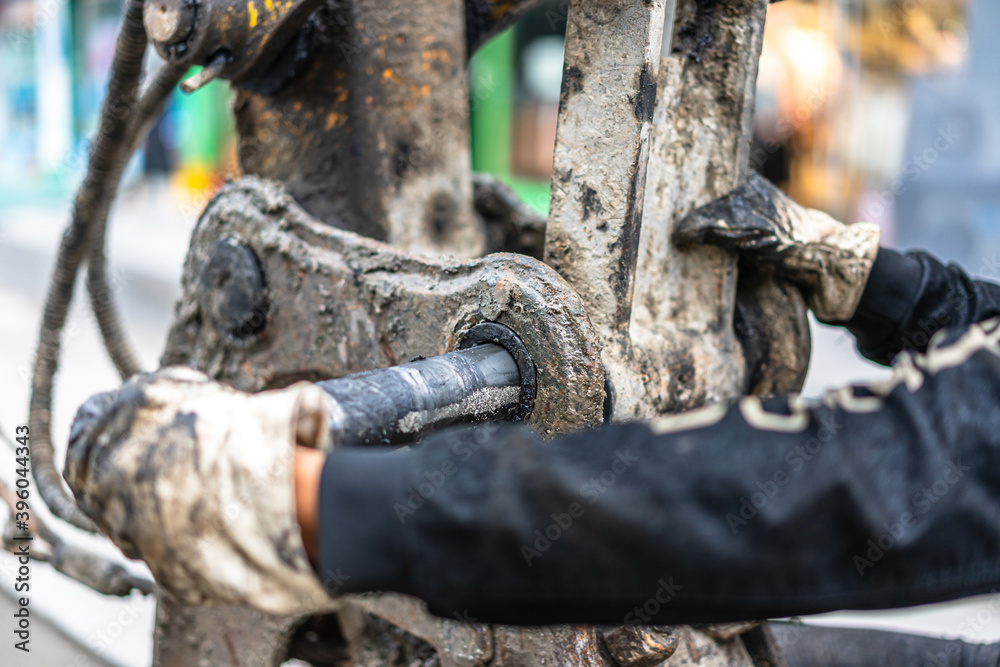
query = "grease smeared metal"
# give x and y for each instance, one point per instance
(572, 84)
(374, 127)
(637, 646)
(591, 203)
(645, 98)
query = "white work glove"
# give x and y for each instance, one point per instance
(828, 260)
(196, 479)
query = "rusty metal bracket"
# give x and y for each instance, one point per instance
(372, 306)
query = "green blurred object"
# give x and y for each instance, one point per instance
(208, 124)
(491, 116)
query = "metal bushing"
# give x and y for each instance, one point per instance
(498, 334)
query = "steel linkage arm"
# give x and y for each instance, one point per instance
(646, 134)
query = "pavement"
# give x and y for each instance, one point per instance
(148, 242)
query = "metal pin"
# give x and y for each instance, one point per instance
(211, 72)
(168, 22)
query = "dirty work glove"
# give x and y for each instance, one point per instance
(196, 479)
(828, 260)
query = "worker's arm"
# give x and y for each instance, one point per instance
(910, 297)
(879, 497)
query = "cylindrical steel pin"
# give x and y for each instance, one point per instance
(210, 73)
(167, 21)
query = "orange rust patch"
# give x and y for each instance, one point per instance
(334, 119)
(436, 54)
(501, 8)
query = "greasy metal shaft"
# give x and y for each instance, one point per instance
(400, 404)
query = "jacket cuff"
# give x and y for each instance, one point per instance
(364, 543)
(887, 300)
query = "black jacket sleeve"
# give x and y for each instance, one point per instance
(874, 497)
(910, 297)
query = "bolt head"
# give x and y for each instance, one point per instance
(167, 22)
(232, 292)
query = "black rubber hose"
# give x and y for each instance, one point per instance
(150, 106)
(105, 312)
(107, 162)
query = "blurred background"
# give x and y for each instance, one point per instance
(879, 110)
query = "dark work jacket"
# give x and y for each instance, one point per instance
(873, 497)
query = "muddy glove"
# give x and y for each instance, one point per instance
(828, 260)
(196, 479)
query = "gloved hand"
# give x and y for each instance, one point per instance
(828, 260)
(196, 479)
